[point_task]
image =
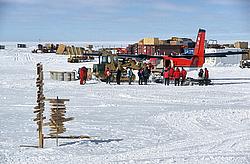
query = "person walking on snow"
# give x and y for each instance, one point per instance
(177, 75)
(183, 76)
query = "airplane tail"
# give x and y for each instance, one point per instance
(199, 50)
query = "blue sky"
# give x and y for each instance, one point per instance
(122, 20)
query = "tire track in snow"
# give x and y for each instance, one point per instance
(16, 57)
(206, 132)
(239, 156)
(23, 58)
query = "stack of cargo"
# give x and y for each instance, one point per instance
(155, 46)
(242, 45)
(149, 41)
(246, 56)
(75, 54)
(188, 43)
(175, 41)
(61, 49)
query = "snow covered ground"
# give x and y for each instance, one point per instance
(131, 123)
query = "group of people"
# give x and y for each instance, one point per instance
(203, 76)
(169, 74)
(143, 75)
(174, 74)
(108, 75)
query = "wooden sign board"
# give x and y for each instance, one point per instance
(56, 100)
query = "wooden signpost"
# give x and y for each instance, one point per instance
(57, 118)
(39, 109)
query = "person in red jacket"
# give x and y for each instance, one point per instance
(206, 76)
(108, 74)
(183, 76)
(177, 75)
(83, 75)
(166, 76)
(171, 73)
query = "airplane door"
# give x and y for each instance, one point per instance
(168, 63)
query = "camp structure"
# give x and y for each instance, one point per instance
(21, 46)
(2, 47)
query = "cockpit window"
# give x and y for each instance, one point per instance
(109, 59)
(104, 59)
(167, 63)
(115, 59)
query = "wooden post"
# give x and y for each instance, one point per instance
(40, 105)
(57, 119)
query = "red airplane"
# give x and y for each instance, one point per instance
(196, 60)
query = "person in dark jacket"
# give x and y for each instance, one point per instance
(140, 75)
(146, 74)
(200, 74)
(177, 75)
(200, 77)
(129, 75)
(118, 75)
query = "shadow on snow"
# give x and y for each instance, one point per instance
(81, 142)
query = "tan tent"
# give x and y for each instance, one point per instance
(61, 49)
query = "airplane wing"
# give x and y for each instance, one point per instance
(224, 54)
(214, 55)
(140, 56)
(93, 54)
(187, 56)
(219, 54)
